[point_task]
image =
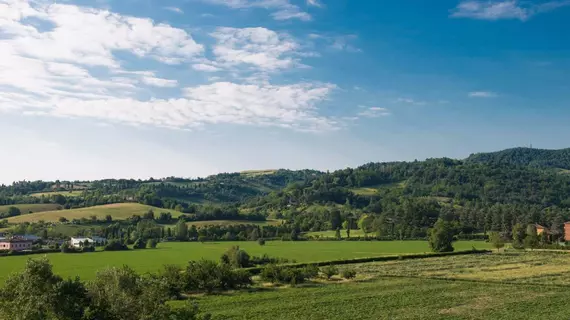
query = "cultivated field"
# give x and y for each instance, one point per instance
(26, 208)
(494, 286)
(86, 265)
(118, 211)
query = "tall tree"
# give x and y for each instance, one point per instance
(441, 237)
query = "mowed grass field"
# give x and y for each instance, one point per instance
(25, 208)
(150, 260)
(119, 211)
(518, 285)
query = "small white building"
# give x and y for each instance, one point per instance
(79, 241)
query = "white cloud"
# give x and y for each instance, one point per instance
(205, 67)
(174, 9)
(159, 82)
(410, 101)
(288, 106)
(260, 48)
(67, 66)
(314, 3)
(482, 94)
(282, 9)
(374, 112)
(509, 9)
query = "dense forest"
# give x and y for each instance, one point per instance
(485, 192)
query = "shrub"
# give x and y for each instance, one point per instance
(281, 274)
(88, 249)
(116, 245)
(151, 243)
(348, 274)
(265, 259)
(236, 257)
(311, 271)
(329, 271)
(261, 241)
(173, 278)
(139, 244)
(202, 239)
(206, 276)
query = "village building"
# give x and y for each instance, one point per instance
(81, 241)
(15, 244)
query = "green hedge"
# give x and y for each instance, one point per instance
(257, 270)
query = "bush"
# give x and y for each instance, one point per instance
(290, 275)
(173, 278)
(116, 245)
(88, 249)
(202, 239)
(236, 257)
(151, 243)
(311, 271)
(348, 274)
(139, 244)
(265, 259)
(261, 241)
(329, 271)
(206, 276)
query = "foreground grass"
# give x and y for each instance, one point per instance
(119, 211)
(392, 298)
(150, 260)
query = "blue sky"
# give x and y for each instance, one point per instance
(141, 88)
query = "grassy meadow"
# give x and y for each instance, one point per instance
(86, 265)
(119, 211)
(26, 208)
(268, 222)
(517, 285)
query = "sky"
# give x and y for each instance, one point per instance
(154, 88)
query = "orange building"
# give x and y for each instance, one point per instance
(540, 229)
(566, 231)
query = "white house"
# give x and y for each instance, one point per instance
(77, 242)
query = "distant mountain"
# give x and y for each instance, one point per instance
(537, 158)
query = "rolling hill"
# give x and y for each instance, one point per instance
(34, 208)
(119, 211)
(538, 158)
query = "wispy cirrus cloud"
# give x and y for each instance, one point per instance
(482, 94)
(174, 9)
(314, 3)
(281, 9)
(498, 10)
(374, 112)
(259, 48)
(337, 42)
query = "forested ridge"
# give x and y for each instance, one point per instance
(485, 192)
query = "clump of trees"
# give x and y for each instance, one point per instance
(441, 237)
(288, 275)
(36, 293)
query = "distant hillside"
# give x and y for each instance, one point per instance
(537, 158)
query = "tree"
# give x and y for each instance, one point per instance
(261, 241)
(518, 236)
(37, 294)
(181, 230)
(236, 257)
(108, 218)
(496, 240)
(337, 234)
(151, 243)
(441, 237)
(365, 223)
(14, 211)
(62, 219)
(169, 232)
(531, 239)
(44, 234)
(294, 235)
(139, 244)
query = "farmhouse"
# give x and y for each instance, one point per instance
(80, 241)
(540, 229)
(567, 231)
(16, 244)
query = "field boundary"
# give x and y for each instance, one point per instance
(257, 270)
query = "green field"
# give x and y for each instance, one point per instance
(118, 211)
(494, 286)
(26, 208)
(86, 265)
